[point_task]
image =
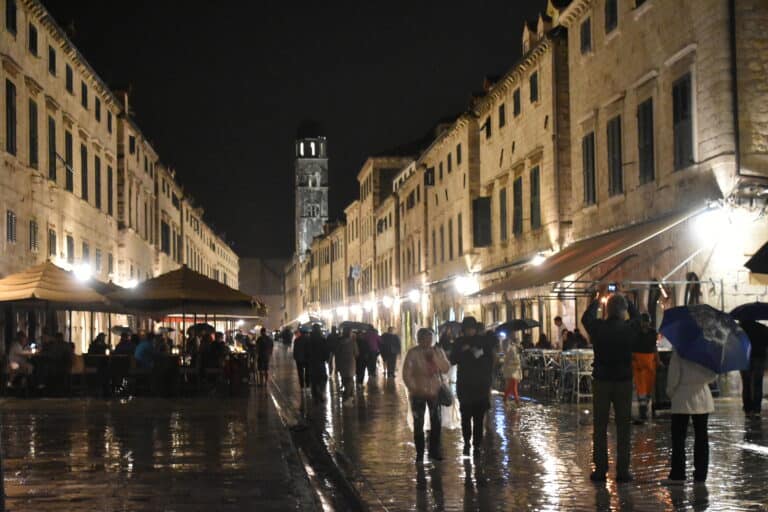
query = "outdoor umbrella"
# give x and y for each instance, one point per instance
(751, 311)
(355, 326)
(119, 330)
(758, 263)
(453, 326)
(48, 284)
(704, 335)
(520, 324)
(200, 329)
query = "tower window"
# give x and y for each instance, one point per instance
(301, 149)
(312, 148)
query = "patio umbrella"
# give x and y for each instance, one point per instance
(751, 311)
(758, 263)
(201, 328)
(704, 335)
(119, 330)
(519, 324)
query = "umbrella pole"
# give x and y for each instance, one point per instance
(183, 330)
(109, 328)
(70, 326)
(91, 326)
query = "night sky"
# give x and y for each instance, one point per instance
(221, 87)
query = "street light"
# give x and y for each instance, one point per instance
(132, 283)
(342, 311)
(538, 260)
(414, 295)
(387, 301)
(466, 285)
(82, 272)
(369, 305)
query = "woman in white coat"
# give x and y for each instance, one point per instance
(688, 389)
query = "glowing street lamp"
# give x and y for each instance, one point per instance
(369, 305)
(342, 311)
(83, 272)
(414, 296)
(466, 285)
(538, 260)
(387, 301)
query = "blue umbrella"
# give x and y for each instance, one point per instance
(704, 335)
(751, 311)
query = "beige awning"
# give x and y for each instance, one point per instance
(48, 283)
(581, 255)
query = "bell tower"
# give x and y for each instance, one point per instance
(311, 185)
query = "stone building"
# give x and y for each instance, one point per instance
(263, 278)
(311, 185)
(386, 264)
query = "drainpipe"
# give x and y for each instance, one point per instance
(734, 84)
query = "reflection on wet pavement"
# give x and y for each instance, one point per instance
(536, 458)
(145, 454)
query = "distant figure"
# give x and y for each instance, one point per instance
(99, 345)
(390, 350)
(560, 330)
(581, 341)
(125, 346)
(264, 347)
(544, 343)
(512, 370)
(317, 357)
(19, 367)
(361, 362)
(569, 340)
(613, 340)
(346, 355)
(287, 336)
(527, 342)
(145, 353)
(645, 358)
(422, 369)
(300, 357)
(373, 340)
(332, 341)
(752, 377)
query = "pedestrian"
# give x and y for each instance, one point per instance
(390, 349)
(264, 347)
(346, 355)
(317, 358)
(645, 359)
(559, 328)
(688, 390)
(373, 340)
(361, 362)
(145, 352)
(287, 336)
(475, 358)
(752, 377)
(512, 371)
(332, 342)
(99, 345)
(422, 370)
(300, 350)
(613, 340)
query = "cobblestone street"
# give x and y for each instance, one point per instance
(537, 457)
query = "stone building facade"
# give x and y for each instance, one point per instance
(311, 188)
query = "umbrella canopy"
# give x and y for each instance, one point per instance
(706, 336)
(355, 326)
(519, 324)
(119, 330)
(758, 263)
(200, 329)
(47, 283)
(187, 291)
(751, 311)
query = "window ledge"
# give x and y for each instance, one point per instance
(613, 34)
(615, 198)
(639, 11)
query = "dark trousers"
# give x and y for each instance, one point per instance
(700, 446)
(752, 386)
(361, 364)
(390, 362)
(301, 368)
(472, 416)
(418, 405)
(605, 394)
(318, 388)
(348, 384)
(372, 360)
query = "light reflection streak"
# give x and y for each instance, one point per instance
(535, 436)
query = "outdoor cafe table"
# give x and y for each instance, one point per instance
(541, 370)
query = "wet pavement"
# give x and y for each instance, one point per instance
(537, 457)
(147, 454)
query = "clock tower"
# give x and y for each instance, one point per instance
(311, 185)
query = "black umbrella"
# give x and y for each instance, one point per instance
(119, 330)
(200, 329)
(519, 324)
(355, 326)
(751, 311)
(758, 263)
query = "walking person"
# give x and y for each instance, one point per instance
(512, 371)
(475, 358)
(422, 369)
(332, 341)
(264, 347)
(300, 357)
(752, 377)
(346, 357)
(645, 359)
(613, 340)
(688, 389)
(373, 341)
(317, 359)
(390, 349)
(361, 360)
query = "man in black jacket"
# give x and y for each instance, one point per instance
(613, 340)
(475, 357)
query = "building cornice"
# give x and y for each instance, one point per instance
(574, 11)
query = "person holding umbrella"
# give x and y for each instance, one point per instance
(752, 377)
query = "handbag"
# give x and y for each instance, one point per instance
(444, 394)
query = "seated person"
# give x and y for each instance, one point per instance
(19, 367)
(145, 353)
(99, 345)
(581, 341)
(527, 341)
(569, 340)
(126, 346)
(544, 343)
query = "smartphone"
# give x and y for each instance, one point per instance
(612, 287)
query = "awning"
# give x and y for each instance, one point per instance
(47, 283)
(581, 255)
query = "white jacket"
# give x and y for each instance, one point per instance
(688, 387)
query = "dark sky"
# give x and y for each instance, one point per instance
(221, 87)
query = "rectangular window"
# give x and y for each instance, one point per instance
(86, 255)
(682, 122)
(586, 36)
(97, 109)
(458, 154)
(165, 237)
(516, 102)
(110, 263)
(131, 144)
(535, 198)
(69, 161)
(10, 117)
(442, 245)
(51, 60)
(69, 79)
(434, 249)
(588, 168)
(33, 154)
(533, 82)
(615, 171)
(440, 173)
(84, 172)
(450, 239)
(450, 163)
(10, 16)
(84, 95)
(34, 244)
(503, 214)
(110, 210)
(460, 235)
(52, 161)
(97, 181)
(611, 15)
(32, 43)
(10, 226)
(97, 261)
(517, 207)
(109, 121)
(502, 115)
(487, 127)
(52, 249)
(645, 140)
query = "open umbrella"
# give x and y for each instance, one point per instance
(200, 329)
(704, 335)
(751, 311)
(519, 324)
(119, 330)
(758, 263)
